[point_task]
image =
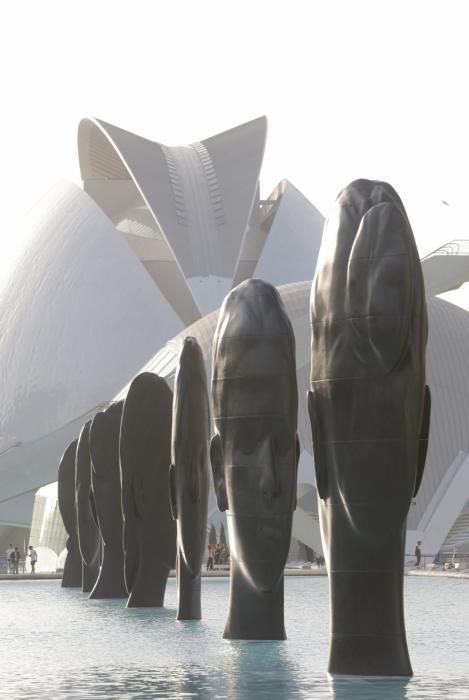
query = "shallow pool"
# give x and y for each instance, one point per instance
(57, 644)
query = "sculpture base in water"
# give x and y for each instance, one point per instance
(254, 614)
(111, 583)
(72, 575)
(89, 577)
(149, 587)
(189, 592)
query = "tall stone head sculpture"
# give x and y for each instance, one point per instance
(106, 484)
(255, 451)
(66, 492)
(145, 456)
(370, 411)
(89, 538)
(189, 474)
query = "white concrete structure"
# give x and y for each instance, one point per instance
(443, 275)
(444, 492)
(151, 246)
(153, 243)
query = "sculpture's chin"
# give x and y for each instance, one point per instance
(263, 575)
(193, 561)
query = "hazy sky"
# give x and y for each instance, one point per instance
(351, 89)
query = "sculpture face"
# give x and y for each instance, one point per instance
(66, 490)
(370, 412)
(369, 332)
(189, 479)
(72, 575)
(104, 451)
(88, 532)
(254, 453)
(145, 455)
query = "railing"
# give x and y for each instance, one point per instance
(452, 560)
(457, 247)
(442, 560)
(426, 560)
(5, 567)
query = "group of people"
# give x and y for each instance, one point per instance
(217, 554)
(14, 557)
(315, 558)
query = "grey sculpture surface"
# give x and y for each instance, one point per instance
(66, 495)
(89, 539)
(189, 474)
(370, 414)
(254, 452)
(106, 484)
(145, 456)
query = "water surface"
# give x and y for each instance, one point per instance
(57, 644)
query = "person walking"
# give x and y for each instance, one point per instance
(210, 559)
(8, 552)
(33, 554)
(418, 553)
(15, 560)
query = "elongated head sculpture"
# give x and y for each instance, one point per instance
(189, 474)
(106, 484)
(145, 456)
(88, 532)
(66, 494)
(254, 452)
(370, 413)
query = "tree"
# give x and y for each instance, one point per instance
(212, 536)
(222, 535)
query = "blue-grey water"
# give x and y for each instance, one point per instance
(57, 644)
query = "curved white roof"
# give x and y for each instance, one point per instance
(81, 313)
(78, 317)
(200, 198)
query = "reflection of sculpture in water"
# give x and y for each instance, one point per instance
(264, 670)
(145, 455)
(370, 413)
(66, 495)
(106, 483)
(88, 532)
(189, 474)
(369, 688)
(255, 452)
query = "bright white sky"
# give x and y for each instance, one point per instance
(351, 89)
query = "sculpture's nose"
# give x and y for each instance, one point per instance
(269, 482)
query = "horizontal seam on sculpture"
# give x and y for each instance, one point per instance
(354, 379)
(372, 636)
(371, 439)
(225, 336)
(362, 571)
(256, 376)
(247, 466)
(252, 415)
(353, 258)
(353, 318)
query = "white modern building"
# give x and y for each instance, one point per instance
(119, 271)
(439, 516)
(150, 244)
